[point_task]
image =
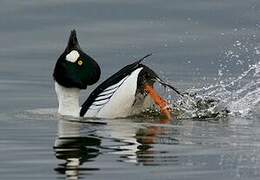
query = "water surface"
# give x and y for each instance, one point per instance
(208, 47)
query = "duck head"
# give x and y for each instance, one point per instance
(74, 68)
(145, 85)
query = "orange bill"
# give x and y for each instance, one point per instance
(159, 101)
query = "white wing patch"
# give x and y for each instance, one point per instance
(115, 85)
(107, 92)
(103, 98)
(72, 56)
(116, 100)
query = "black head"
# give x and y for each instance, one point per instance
(146, 77)
(74, 68)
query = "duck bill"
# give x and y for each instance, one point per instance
(159, 101)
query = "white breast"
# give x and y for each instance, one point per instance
(121, 99)
(68, 100)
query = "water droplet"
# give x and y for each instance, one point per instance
(238, 43)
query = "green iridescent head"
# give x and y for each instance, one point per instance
(74, 68)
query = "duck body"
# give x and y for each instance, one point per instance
(121, 95)
(114, 101)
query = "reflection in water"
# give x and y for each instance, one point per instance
(195, 146)
(152, 135)
(156, 134)
(74, 148)
(134, 139)
(78, 143)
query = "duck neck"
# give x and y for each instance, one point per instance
(68, 99)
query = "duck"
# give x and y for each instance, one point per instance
(125, 93)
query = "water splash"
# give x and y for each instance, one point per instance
(246, 98)
(240, 96)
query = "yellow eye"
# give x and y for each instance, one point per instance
(80, 62)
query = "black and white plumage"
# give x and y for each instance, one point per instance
(120, 95)
(117, 95)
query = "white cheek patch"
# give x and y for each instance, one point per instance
(72, 56)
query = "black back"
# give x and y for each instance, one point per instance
(117, 77)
